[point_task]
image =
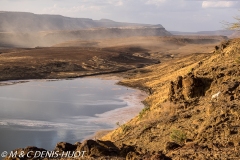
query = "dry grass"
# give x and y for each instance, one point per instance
(198, 121)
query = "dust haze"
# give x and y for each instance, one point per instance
(52, 46)
(28, 30)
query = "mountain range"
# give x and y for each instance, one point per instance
(228, 33)
(29, 22)
(21, 29)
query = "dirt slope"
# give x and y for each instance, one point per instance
(180, 119)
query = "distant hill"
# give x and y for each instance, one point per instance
(103, 33)
(21, 29)
(29, 22)
(228, 33)
(31, 39)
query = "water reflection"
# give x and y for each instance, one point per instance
(42, 113)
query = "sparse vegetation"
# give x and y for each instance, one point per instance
(118, 124)
(125, 128)
(178, 136)
(238, 60)
(233, 26)
(190, 123)
(143, 112)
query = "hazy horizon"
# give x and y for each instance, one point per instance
(174, 15)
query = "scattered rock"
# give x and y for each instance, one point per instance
(171, 146)
(132, 156)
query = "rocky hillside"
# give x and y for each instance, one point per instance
(182, 119)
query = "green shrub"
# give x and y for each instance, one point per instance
(178, 136)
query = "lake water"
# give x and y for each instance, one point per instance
(41, 113)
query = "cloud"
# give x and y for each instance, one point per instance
(115, 2)
(119, 3)
(184, 15)
(57, 9)
(218, 4)
(155, 2)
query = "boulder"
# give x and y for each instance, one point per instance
(185, 88)
(98, 148)
(64, 146)
(125, 149)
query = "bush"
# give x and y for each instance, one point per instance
(178, 136)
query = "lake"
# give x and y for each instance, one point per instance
(42, 113)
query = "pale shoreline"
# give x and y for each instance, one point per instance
(134, 106)
(120, 115)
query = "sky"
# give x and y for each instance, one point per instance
(174, 15)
